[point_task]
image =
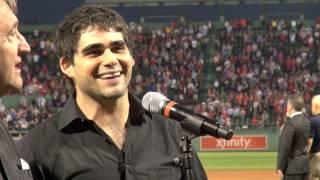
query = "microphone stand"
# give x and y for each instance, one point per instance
(186, 159)
(192, 128)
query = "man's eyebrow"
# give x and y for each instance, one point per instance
(92, 46)
(101, 45)
(117, 43)
(11, 29)
(13, 26)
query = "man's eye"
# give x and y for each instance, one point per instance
(13, 35)
(95, 52)
(118, 48)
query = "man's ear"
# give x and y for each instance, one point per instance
(66, 67)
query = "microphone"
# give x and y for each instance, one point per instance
(193, 122)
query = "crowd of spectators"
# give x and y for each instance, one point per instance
(170, 60)
(255, 68)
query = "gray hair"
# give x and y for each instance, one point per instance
(12, 5)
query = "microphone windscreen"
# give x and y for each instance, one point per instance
(153, 102)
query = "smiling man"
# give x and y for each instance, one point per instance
(12, 46)
(103, 132)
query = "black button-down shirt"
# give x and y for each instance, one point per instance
(12, 167)
(69, 146)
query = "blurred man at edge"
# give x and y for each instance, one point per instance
(12, 46)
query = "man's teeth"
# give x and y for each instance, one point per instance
(111, 75)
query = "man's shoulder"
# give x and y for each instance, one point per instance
(299, 117)
(43, 131)
(41, 141)
(162, 120)
(164, 124)
(296, 121)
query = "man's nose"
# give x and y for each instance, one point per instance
(23, 44)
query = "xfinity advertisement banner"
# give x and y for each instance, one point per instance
(238, 142)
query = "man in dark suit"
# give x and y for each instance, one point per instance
(293, 145)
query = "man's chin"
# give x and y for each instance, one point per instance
(10, 90)
(14, 90)
(115, 94)
(16, 87)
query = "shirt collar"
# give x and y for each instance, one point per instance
(295, 114)
(71, 112)
(136, 110)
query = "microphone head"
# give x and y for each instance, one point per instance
(154, 102)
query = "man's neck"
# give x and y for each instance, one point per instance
(96, 108)
(111, 116)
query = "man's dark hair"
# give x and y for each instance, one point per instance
(297, 102)
(87, 16)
